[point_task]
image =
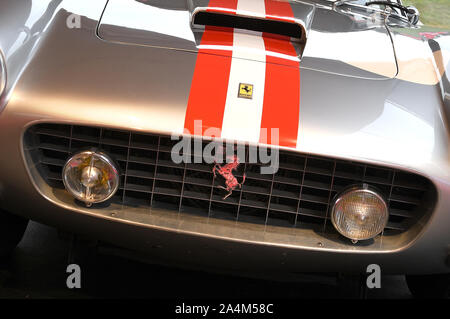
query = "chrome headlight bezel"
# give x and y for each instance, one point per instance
(103, 157)
(366, 188)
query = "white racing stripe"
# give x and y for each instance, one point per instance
(251, 7)
(242, 117)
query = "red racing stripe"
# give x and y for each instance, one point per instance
(212, 72)
(281, 107)
(279, 10)
(225, 5)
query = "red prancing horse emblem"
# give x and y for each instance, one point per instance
(227, 172)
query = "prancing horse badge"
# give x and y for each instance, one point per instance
(245, 91)
(227, 173)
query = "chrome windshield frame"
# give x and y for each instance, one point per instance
(387, 12)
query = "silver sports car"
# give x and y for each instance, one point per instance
(263, 137)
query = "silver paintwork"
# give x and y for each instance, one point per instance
(389, 114)
(2, 73)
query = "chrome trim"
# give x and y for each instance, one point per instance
(413, 15)
(229, 12)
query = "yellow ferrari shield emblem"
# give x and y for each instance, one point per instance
(245, 91)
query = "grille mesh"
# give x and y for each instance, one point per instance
(298, 195)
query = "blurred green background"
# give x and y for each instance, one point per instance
(433, 13)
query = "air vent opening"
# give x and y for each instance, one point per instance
(276, 27)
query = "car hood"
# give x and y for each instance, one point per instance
(351, 43)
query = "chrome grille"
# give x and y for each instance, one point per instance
(298, 195)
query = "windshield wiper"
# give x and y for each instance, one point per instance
(411, 12)
(390, 4)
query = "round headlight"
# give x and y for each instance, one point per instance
(91, 177)
(359, 213)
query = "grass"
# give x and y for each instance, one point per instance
(433, 13)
